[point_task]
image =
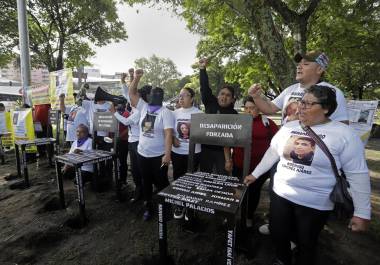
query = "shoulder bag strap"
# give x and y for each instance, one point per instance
(323, 147)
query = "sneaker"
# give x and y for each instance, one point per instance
(292, 245)
(264, 229)
(136, 196)
(277, 262)
(249, 222)
(147, 215)
(179, 212)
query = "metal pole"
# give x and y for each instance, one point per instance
(24, 48)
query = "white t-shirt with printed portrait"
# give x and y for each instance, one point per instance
(152, 126)
(182, 125)
(288, 99)
(77, 116)
(304, 174)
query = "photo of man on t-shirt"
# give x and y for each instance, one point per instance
(300, 150)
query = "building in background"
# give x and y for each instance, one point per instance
(12, 72)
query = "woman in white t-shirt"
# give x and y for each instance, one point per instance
(181, 137)
(154, 148)
(300, 202)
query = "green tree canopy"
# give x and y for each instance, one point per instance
(63, 30)
(160, 72)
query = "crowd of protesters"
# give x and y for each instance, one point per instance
(154, 136)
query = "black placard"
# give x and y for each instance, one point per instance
(221, 129)
(53, 115)
(205, 192)
(104, 121)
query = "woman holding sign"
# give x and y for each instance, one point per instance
(300, 202)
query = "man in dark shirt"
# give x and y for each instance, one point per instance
(212, 157)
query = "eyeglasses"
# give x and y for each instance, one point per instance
(307, 105)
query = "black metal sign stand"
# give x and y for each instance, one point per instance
(205, 192)
(22, 163)
(77, 161)
(54, 118)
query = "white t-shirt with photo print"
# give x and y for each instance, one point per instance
(152, 126)
(310, 185)
(182, 125)
(295, 92)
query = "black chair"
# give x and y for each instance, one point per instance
(54, 119)
(206, 192)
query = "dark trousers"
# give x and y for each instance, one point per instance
(135, 169)
(212, 160)
(254, 190)
(290, 221)
(47, 131)
(105, 168)
(180, 164)
(152, 173)
(122, 153)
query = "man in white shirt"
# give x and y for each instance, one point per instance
(310, 69)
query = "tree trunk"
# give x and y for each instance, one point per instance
(60, 63)
(271, 44)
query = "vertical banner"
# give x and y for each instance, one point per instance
(61, 82)
(361, 116)
(40, 94)
(6, 127)
(23, 128)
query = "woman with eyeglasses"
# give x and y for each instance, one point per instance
(300, 203)
(181, 137)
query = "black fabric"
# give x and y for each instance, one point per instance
(122, 153)
(212, 160)
(254, 190)
(211, 105)
(152, 173)
(180, 164)
(135, 170)
(289, 221)
(209, 100)
(104, 178)
(156, 97)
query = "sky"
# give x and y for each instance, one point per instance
(150, 31)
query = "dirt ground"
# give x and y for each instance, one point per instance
(33, 230)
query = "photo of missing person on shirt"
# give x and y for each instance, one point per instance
(300, 150)
(290, 112)
(183, 129)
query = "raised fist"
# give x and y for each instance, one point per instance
(254, 91)
(131, 71)
(123, 76)
(202, 63)
(139, 72)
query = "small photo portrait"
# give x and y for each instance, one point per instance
(363, 118)
(291, 110)
(300, 150)
(183, 129)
